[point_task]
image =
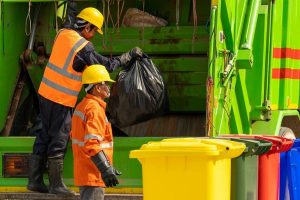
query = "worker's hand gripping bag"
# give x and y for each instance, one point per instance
(138, 95)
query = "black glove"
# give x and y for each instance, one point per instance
(136, 52)
(125, 58)
(108, 173)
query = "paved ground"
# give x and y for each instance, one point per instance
(39, 196)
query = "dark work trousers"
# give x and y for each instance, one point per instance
(91, 193)
(56, 119)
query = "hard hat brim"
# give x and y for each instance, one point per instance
(111, 81)
(92, 82)
(100, 31)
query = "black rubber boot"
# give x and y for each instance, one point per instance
(56, 184)
(37, 166)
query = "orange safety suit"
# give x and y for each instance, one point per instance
(61, 83)
(91, 132)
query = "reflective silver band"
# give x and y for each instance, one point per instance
(79, 114)
(72, 52)
(63, 72)
(93, 136)
(106, 145)
(59, 88)
(75, 141)
(102, 145)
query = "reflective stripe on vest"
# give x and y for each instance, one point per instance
(61, 83)
(60, 88)
(72, 52)
(64, 71)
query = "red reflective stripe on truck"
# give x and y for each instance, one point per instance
(286, 53)
(280, 73)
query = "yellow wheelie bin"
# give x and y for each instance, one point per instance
(187, 168)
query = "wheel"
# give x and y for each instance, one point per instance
(286, 133)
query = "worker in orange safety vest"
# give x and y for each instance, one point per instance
(72, 52)
(92, 139)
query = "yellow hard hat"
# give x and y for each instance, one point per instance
(95, 74)
(93, 16)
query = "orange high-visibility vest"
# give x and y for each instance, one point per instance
(61, 83)
(91, 133)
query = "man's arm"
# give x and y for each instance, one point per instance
(95, 129)
(71, 14)
(88, 56)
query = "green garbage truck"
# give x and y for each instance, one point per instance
(229, 66)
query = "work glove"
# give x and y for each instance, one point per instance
(110, 177)
(125, 58)
(108, 173)
(136, 52)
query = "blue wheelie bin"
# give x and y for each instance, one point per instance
(290, 173)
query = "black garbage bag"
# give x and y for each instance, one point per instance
(139, 94)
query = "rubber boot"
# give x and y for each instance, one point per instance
(56, 184)
(37, 166)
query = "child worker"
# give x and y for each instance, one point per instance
(92, 139)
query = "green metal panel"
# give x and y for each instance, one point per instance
(264, 127)
(285, 53)
(130, 168)
(256, 77)
(161, 40)
(12, 42)
(249, 85)
(230, 106)
(235, 90)
(248, 96)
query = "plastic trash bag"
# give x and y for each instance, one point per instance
(139, 94)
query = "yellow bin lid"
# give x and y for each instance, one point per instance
(190, 146)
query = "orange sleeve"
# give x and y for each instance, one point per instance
(95, 129)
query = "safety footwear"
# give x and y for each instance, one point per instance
(37, 166)
(56, 184)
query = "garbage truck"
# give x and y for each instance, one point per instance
(229, 67)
